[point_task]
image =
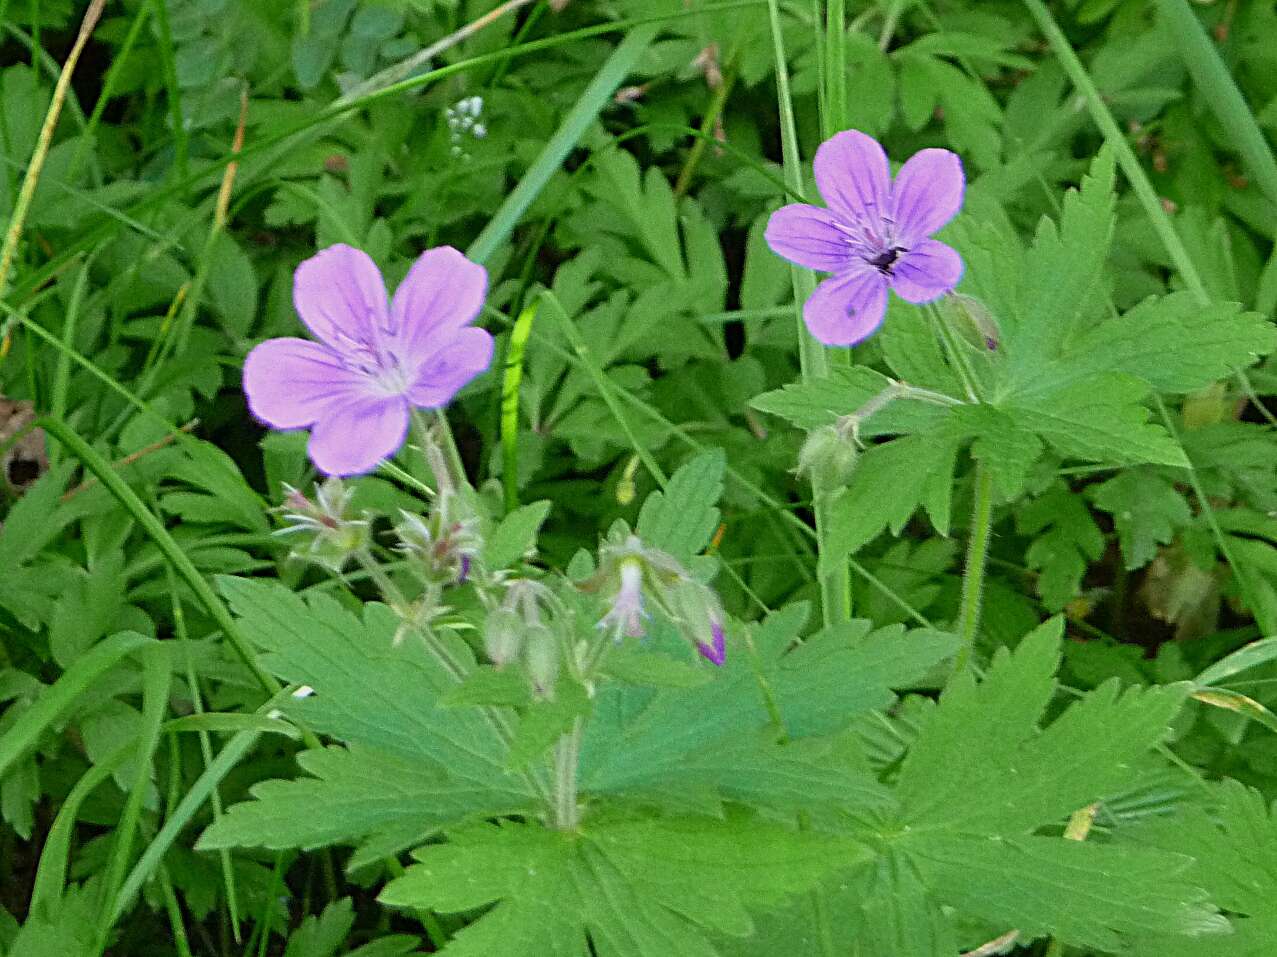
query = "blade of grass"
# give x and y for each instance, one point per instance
(510, 406)
(1175, 248)
(223, 764)
(1219, 90)
(100, 467)
(835, 118)
(45, 140)
(157, 672)
(62, 695)
(205, 742)
(112, 77)
(584, 112)
(50, 876)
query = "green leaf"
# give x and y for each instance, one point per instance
(1100, 419)
(890, 482)
(320, 935)
(687, 745)
(355, 793)
(990, 730)
(515, 536)
(682, 518)
(374, 692)
(636, 887)
(1066, 540)
(1147, 511)
(1173, 343)
(1061, 285)
(1085, 894)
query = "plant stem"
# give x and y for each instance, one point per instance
(567, 753)
(835, 588)
(973, 575)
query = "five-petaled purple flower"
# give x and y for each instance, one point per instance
(874, 235)
(374, 360)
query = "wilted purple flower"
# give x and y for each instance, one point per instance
(625, 616)
(874, 235)
(374, 360)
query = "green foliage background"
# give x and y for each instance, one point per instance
(164, 789)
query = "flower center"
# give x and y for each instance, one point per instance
(875, 243)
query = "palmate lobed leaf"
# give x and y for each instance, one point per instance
(409, 765)
(989, 732)
(634, 887)
(1086, 894)
(352, 794)
(690, 746)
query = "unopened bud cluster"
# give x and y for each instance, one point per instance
(445, 543)
(326, 530)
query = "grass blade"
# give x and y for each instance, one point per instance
(107, 475)
(62, 695)
(1216, 84)
(587, 108)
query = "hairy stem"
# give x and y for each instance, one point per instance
(567, 812)
(973, 574)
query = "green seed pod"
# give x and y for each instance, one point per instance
(541, 659)
(503, 636)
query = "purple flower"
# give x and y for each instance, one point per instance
(374, 360)
(874, 235)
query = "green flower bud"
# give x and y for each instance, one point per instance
(974, 322)
(828, 457)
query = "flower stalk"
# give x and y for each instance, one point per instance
(973, 574)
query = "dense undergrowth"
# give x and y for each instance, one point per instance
(665, 629)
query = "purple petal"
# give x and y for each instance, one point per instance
(927, 194)
(460, 358)
(442, 292)
(717, 652)
(289, 383)
(340, 296)
(926, 272)
(352, 438)
(847, 308)
(853, 177)
(806, 235)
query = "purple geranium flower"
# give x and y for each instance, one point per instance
(874, 235)
(374, 360)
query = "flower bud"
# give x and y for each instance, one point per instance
(828, 457)
(696, 611)
(974, 322)
(541, 658)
